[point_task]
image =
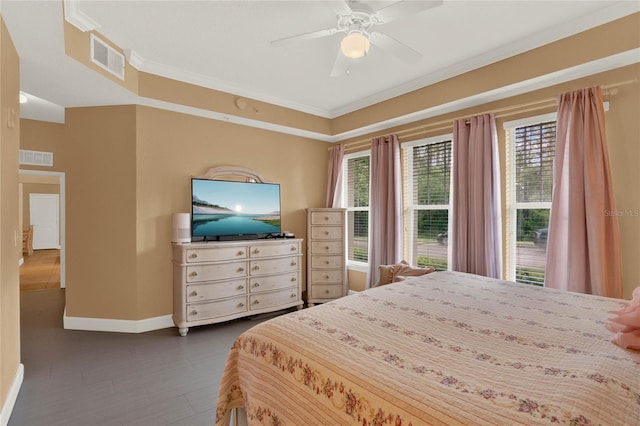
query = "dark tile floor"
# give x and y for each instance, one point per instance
(81, 378)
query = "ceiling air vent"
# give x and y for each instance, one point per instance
(107, 57)
(36, 158)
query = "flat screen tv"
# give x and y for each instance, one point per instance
(223, 210)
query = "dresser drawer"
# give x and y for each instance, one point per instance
(274, 266)
(327, 247)
(327, 218)
(214, 254)
(257, 251)
(328, 276)
(327, 262)
(273, 282)
(326, 291)
(273, 298)
(218, 308)
(203, 292)
(216, 271)
(326, 233)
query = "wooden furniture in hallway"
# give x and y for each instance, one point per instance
(27, 241)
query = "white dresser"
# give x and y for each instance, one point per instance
(219, 281)
(326, 255)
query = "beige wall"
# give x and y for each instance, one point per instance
(173, 147)
(43, 136)
(100, 145)
(10, 234)
(123, 186)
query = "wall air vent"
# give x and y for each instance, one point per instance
(36, 158)
(107, 57)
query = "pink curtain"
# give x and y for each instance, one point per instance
(476, 216)
(385, 207)
(583, 249)
(336, 154)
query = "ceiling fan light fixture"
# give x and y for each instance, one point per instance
(355, 45)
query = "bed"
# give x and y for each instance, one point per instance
(446, 348)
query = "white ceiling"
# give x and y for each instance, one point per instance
(225, 45)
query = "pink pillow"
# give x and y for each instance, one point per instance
(404, 270)
(388, 274)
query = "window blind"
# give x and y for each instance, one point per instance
(534, 147)
(358, 208)
(430, 181)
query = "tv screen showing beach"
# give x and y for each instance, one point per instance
(224, 208)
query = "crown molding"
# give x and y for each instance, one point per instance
(175, 73)
(243, 121)
(77, 18)
(134, 59)
(594, 67)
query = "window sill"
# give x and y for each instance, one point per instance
(360, 267)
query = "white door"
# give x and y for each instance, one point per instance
(45, 217)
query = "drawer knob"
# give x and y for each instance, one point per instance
(241, 269)
(255, 268)
(326, 261)
(326, 276)
(194, 312)
(256, 285)
(326, 247)
(293, 248)
(240, 305)
(194, 255)
(240, 287)
(293, 295)
(256, 251)
(256, 302)
(293, 263)
(194, 293)
(241, 253)
(326, 291)
(293, 279)
(326, 232)
(326, 218)
(193, 274)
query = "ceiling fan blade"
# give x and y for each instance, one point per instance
(393, 46)
(287, 41)
(340, 66)
(343, 8)
(404, 8)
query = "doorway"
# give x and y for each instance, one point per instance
(45, 218)
(29, 177)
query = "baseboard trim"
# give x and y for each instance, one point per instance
(116, 325)
(12, 396)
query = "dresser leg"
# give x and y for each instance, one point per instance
(183, 331)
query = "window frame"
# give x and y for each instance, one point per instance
(355, 264)
(410, 208)
(512, 205)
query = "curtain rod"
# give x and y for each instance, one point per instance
(444, 125)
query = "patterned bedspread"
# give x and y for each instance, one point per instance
(443, 349)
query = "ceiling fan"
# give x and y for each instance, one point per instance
(356, 20)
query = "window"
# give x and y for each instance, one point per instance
(356, 191)
(531, 152)
(428, 187)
